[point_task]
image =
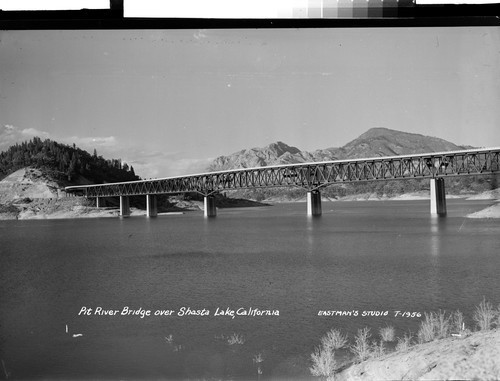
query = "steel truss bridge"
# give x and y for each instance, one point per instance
(311, 176)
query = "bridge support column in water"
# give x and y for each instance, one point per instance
(314, 203)
(151, 205)
(210, 209)
(438, 197)
(124, 206)
(99, 202)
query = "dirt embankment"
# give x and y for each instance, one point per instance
(476, 357)
(69, 207)
(27, 183)
(31, 194)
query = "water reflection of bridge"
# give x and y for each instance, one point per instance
(310, 176)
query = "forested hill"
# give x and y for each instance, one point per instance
(67, 164)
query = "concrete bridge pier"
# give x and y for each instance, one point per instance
(438, 197)
(210, 209)
(314, 203)
(151, 205)
(99, 202)
(124, 206)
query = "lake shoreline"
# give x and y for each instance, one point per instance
(67, 208)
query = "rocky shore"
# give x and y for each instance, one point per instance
(73, 207)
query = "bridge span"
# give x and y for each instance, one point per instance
(313, 176)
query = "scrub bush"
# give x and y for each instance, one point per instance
(404, 343)
(334, 339)
(457, 322)
(361, 349)
(484, 315)
(236, 338)
(387, 333)
(435, 326)
(377, 349)
(426, 332)
(443, 325)
(323, 363)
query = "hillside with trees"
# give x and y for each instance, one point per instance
(65, 164)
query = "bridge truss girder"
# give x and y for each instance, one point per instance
(311, 175)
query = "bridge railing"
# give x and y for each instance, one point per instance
(311, 175)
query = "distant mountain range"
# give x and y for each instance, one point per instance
(373, 143)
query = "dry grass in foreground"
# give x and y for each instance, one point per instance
(441, 349)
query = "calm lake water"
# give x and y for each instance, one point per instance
(359, 256)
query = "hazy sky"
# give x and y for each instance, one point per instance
(166, 101)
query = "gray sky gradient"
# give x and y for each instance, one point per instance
(166, 101)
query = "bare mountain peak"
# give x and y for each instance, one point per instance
(386, 133)
(375, 142)
(281, 148)
(378, 131)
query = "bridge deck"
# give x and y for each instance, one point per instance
(311, 175)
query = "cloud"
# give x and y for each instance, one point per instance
(92, 141)
(10, 135)
(189, 166)
(157, 164)
(32, 132)
(106, 146)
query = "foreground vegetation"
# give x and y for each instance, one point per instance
(434, 326)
